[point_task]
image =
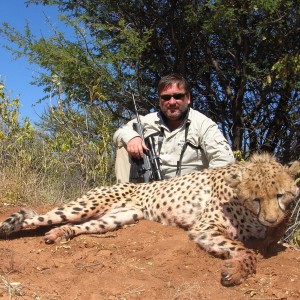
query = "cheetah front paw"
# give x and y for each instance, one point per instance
(231, 273)
(235, 271)
(14, 222)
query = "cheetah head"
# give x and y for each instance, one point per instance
(266, 188)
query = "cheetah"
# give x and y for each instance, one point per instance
(221, 208)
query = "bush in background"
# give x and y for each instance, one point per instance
(58, 160)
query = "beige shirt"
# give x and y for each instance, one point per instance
(206, 146)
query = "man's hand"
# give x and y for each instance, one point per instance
(136, 147)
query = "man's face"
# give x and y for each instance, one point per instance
(174, 101)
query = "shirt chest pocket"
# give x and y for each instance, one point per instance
(184, 151)
(171, 149)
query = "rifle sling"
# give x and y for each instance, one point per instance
(179, 162)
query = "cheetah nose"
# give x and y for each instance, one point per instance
(271, 219)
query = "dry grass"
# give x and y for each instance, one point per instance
(292, 235)
(187, 291)
(17, 188)
(38, 177)
(13, 289)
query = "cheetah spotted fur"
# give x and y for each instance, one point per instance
(221, 208)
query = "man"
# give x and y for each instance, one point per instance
(184, 139)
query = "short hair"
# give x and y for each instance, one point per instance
(170, 79)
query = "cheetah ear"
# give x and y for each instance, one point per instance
(234, 178)
(293, 168)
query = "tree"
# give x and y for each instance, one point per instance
(241, 58)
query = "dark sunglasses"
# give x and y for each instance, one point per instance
(167, 97)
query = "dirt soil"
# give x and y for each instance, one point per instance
(143, 261)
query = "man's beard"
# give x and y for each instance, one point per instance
(179, 116)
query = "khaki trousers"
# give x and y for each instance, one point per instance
(122, 166)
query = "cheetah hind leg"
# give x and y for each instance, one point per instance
(15, 221)
(112, 220)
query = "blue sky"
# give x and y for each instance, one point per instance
(17, 74)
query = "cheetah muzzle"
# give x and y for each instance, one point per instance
(221, 208)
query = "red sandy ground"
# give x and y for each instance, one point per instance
(144, 261)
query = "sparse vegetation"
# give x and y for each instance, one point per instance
(43, 165)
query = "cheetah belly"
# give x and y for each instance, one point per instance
(182, 211)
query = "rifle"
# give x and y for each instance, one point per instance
(147, 167)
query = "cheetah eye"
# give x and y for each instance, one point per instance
(256, 200)
(280, 196)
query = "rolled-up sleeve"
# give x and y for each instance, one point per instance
(124, 134)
